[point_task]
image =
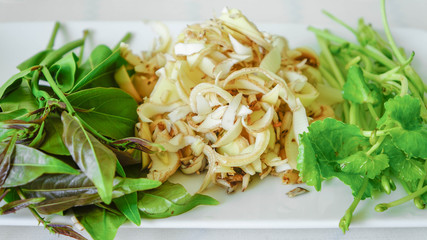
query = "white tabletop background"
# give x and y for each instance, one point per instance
(402, 14)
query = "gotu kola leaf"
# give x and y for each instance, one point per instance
(169, 200)
(355, 88)
(93, 158)
(326, 143)
(111, 111)
(408, 131)
(364, 164)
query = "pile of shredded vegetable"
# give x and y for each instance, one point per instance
(225, 98)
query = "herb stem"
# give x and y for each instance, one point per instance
(57, 91)
(124, 39)
(384, 206)
(339, 21)
(376, 145)
(335, 70)
(57, 54)
(372, 111)
(388, 34)
(82, 48)
(53, 36)
(346, 219)
(373, 53)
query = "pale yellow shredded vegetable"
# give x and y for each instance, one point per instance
(228, 98)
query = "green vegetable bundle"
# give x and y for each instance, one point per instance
(66, 140)
(383, 133)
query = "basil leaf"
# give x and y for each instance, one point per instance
(170, 200)
(128, 205)
(4, 116)
(18, 204)
(63, 191)
(100, 223)
(52, 142)
(21, 98)
(111, 111)
(99, 66)
(6, 156)
(13, 83)
(93, 158)
(30, 163)
(64, 71)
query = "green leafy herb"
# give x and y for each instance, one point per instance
(100, 223)
(384, 132)
(30, 163)
(93, 158)
(110, 111)
(170, 200)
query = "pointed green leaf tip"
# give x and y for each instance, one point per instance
(355, 88)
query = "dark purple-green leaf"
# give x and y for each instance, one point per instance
(18, 204)
(30, 163)
(93, 158)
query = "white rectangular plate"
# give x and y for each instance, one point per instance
(264, 204)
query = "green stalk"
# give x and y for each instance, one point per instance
(57, 54)
(82, 48)
(384, 206)
(417, 201)
(57, 91)
(372, 111)
(346, 219)
(375, 54)
(376, 145)
(329, 78)
(335, 70)
(409, 71)
(124, 39)
(390, 39)
(339, 21)
(53, 36)
(353, 114)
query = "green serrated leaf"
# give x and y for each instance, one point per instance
(307, 163)
(409, 133)
(355, 88)
(330, 141)
(403, 167)
(363, 164)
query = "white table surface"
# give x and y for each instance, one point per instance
(402, 14)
